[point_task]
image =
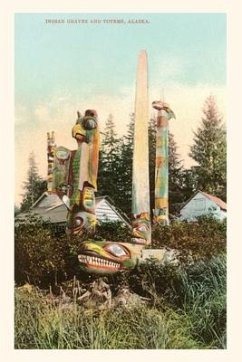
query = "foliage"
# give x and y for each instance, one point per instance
(152, 159)
(113, 231)
(175, 283)
(34, 186)
(109, 166)
(175, 173)
(209, 151)
(39, 256)
(16, 210)
(200, 240)
(205, 299)
(189, 183)
(126, 169)
(187, 303)
(45, 326)
(42, 255)
(197, 290)
(187, 311)
(115, 167)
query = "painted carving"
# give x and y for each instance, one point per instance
(161, 211)
(107, 256)
(73, 176)
(51, 146)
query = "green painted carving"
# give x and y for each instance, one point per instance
(161, 211)
(73, 176)
(106, 256)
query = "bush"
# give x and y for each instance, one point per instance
(187, 307)
(113, 231)
(202, 239)
(187, 310)
(43, 256)
(198, 290)
(39, 256)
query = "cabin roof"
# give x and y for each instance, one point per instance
(50, 207)
(212, 198)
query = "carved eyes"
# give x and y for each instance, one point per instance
(78, 221)
(142, 228)
(116, 250)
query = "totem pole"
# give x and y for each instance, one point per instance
(161, 211)
(51, 146)
(140, 183)
(72, 175)
(107, 257)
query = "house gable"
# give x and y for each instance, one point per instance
(106, 211)
(203, 204)
(47, 201)
(216, 200)
(50, 207)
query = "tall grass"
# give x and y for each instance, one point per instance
(198, 291)
(44, 326)
(188, 310)
(205, 300)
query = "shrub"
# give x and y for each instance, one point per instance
(198, 290)
(39, 256)
(202, 239)
(188, 310)
(42, 255)
(112, 230)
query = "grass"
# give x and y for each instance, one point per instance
(192, 315)
(45, 326)
(205, 300)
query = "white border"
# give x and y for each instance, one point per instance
(233, 9)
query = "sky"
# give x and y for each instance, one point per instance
(64, 67)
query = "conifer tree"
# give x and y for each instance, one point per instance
(175, 173)
(209, 151)
(108, 175)
(34, 186)
(125, 168)
(189, 183)
(152, 157)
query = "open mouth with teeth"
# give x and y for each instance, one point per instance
(107, 257)
(97, 262)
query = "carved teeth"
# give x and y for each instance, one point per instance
(90, 260)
